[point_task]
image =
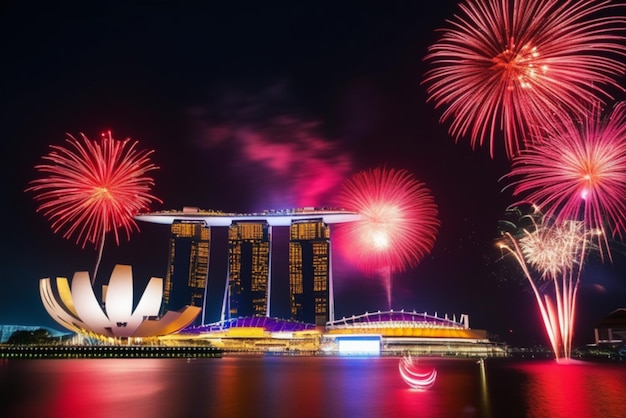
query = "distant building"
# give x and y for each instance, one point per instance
(7, 330)
(309, 271)
(249, 245)
(188, 266)
(612, 328)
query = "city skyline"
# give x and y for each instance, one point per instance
(255, 108)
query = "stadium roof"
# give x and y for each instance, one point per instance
(399, 318)
(267, 323)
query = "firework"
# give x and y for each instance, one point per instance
(398, 223)
(90, 188)
(551, 256)
(399, 219)
(578, 171)
(554, 250)
(509, 67)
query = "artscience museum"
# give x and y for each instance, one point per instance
(77, 308)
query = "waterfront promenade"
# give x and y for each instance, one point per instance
(102, 351)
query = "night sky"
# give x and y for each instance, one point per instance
(251, 107)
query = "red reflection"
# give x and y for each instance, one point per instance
(76, 398)
(565, 390)
(106, 388)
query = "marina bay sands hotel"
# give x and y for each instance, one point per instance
(248, 289)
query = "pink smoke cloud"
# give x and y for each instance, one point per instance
(290, 162)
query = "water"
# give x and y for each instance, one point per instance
(288, 387)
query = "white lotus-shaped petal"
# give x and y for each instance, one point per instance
(79, 310)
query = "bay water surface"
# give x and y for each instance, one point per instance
(308, 387)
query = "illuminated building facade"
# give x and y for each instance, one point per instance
(249, 249)
(309, 271)
(188, 266)
(248, 289)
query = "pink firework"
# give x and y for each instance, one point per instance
(577, 171)
(399, 220)
(511, 66)
(90, 188)
(552, 257)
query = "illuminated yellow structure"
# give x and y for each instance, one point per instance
(309, 271)
(419, 333)
(78, 309)
(249, 245)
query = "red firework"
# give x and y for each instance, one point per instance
(399, 220)
(578, 172)
(91, 188)
(514, 66)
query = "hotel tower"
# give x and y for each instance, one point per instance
(309, 271)
(249, 247)
(188, 265)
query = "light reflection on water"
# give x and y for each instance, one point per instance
(579, 389)
(289, 387)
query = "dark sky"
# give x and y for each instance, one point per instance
(259, 107)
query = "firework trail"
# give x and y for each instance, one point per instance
(578, 171)
(552, 253)
(508, 67)
(90, 188)
(399, 221)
